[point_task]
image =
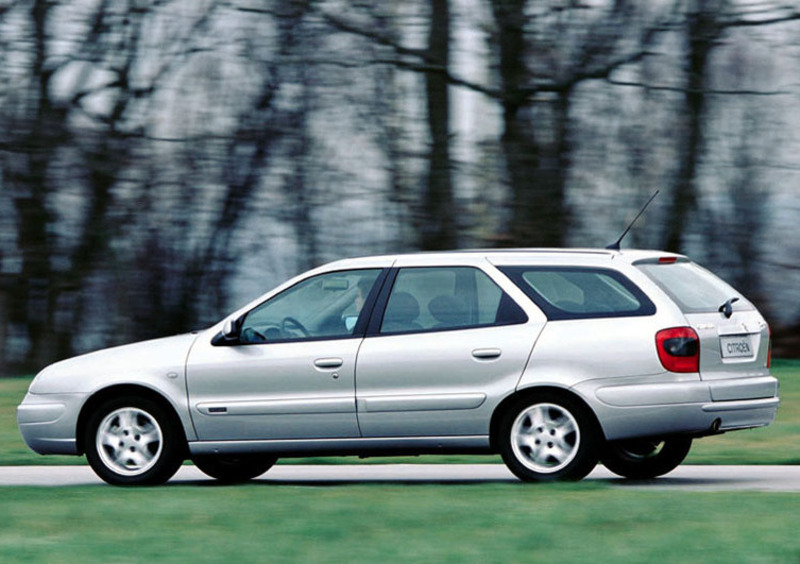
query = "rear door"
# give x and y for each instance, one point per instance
(734, 337)
(447, 346)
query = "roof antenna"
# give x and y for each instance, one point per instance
(615, 245)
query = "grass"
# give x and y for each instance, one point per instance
(494, 522)
(776, 444)
(390, 523)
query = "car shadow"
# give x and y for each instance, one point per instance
(342, 482)
(664, 483)
(681, 483)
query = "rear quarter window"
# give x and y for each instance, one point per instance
(580, 293)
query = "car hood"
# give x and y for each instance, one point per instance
(135, 362)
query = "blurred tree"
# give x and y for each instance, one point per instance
(437, 225)
(706, 21)
(389, 131)
(81, 142)
(546, 50)
(38, 134)
(703, 29)
(156, 152)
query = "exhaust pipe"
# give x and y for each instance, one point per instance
(712, 430)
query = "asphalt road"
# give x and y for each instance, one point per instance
(687, 477)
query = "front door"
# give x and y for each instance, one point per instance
(290, 373)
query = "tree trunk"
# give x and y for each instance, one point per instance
(438, 228)
(703, 31)
(536, 170)
(34, 292)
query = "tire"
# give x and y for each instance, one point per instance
(549, 437)
(641, 459)
(133, 441)
(233, 469)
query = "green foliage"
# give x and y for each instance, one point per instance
(495, 522)
(389, 523)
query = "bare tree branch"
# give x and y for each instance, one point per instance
(680, 89)
(756, 23)
(439, 69)
(425, 63)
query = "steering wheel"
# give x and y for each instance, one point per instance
(291, 325)
(250, 335)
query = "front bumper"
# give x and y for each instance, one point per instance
(48, 422)
(646, 409)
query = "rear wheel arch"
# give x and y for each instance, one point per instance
(102, 396)
(548, 434)
(531, 393)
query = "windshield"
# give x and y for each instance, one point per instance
(693, 288)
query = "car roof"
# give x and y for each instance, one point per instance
(588, 256)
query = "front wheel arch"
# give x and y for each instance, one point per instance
(106, 394)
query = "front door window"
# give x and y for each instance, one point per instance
(322, 307)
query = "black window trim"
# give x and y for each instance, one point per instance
(515, 273)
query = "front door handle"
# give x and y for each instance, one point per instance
(328, 362)
(486, 354)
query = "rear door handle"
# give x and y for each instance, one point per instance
(486, 354)
(328, 362)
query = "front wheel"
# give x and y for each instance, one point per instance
(641, 459)
(549, 437)
(232, 469)
(133, 441)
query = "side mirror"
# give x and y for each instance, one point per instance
(230, 330)
(229, 334)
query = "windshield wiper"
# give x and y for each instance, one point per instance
(727, 307)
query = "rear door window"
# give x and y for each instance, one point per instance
(446, 298)
(580, 293)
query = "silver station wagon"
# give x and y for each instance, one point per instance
(555, 359)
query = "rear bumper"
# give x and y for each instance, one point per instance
(744, 414)
(48, 422)
(640, 409)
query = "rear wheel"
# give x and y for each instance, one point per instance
(549, 437)
(133, 441)
(645, 458)
(233, 469)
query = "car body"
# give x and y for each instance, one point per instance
(554, 358)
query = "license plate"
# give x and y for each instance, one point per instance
(736, 346)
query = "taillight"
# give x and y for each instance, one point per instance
(679, 349)
(769, 346)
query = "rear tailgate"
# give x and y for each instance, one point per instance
(734, 338)
(734, 347)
